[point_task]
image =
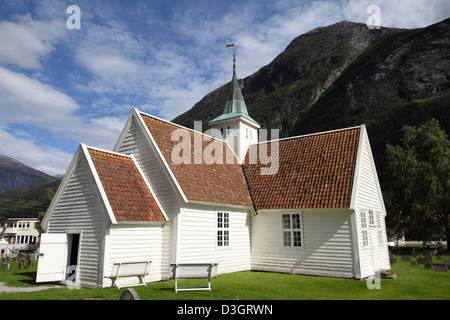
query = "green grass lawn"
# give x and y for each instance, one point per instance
(413, 283)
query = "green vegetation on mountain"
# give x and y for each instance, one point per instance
(27, 201)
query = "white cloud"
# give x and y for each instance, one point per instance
(44, 158)
(110, 123)
(399, 13)
(27, 101)
(25, 42)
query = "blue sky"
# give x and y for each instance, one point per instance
(60, 87)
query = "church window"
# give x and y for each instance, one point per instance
(223, 229)
(292, 234)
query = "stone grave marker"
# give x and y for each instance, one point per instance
(130, 294)
(421, 260)
(439, 267)
(406, 258)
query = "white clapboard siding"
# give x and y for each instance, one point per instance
(367, 193)
(135, 244)
(134, 143)
(326, 244)
(78, 209)
(375, 255)
(197, 232)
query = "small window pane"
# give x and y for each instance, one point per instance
(287, 238)
(286, 221)
(363, 220)
(295, 221)
(297, 239)
(371, 221)
(219, 220)
(219, 238)
(226, 220)
(226, 238)
(365, 238)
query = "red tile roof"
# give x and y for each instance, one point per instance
(315, 171)
(127, 192)
(222, 183)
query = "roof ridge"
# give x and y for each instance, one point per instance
(178, 125)
(108, 151)
(310, 134)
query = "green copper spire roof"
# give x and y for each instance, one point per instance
(235, 104)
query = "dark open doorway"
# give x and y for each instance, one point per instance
(73, 244)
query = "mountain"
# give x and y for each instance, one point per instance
(14, 174)
(27, 201)
(345, 75)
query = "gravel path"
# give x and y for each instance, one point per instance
(4, 288)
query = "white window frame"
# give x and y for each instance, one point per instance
(223, 229)
(292, 233)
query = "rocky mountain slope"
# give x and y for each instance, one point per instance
(14, 174)
(344, 75)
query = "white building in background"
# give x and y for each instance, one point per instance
(17, 234)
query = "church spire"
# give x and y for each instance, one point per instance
(236, 127)
(235, 104)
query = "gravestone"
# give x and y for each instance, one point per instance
(406, 258)
(427, 265)
(129, 294)
(413, 263)
(5, 266)
(421, 260)
(439, 267)
(446, 261)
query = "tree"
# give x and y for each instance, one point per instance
(420, 179)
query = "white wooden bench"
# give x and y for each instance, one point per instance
(122, 270)
(181, 271)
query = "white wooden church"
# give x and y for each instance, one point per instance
(315, 209)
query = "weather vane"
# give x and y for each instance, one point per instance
(234, 54)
